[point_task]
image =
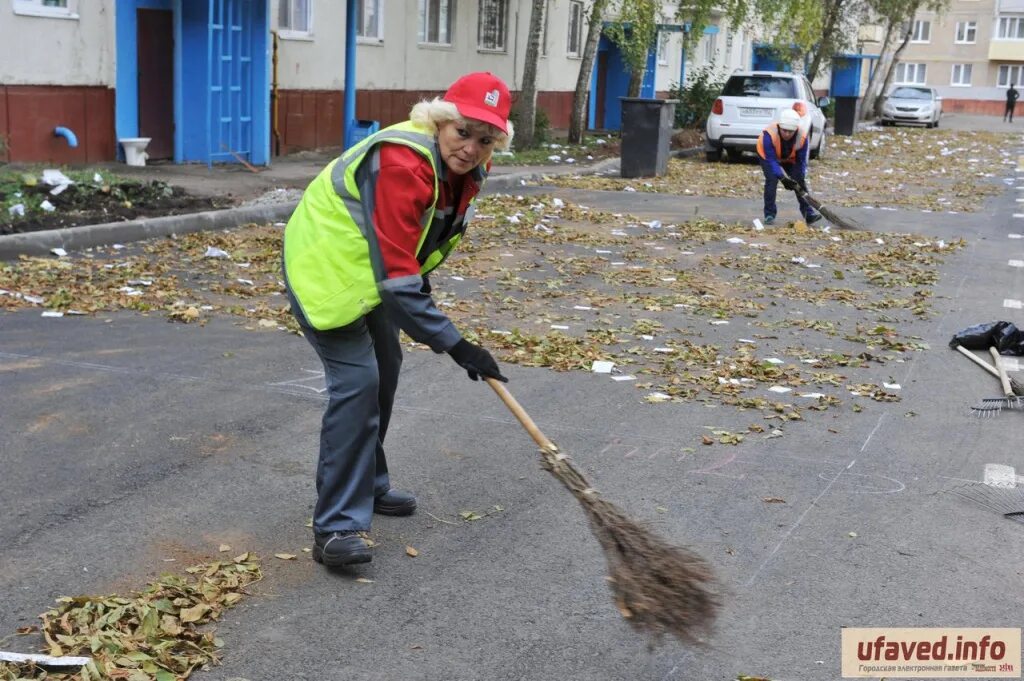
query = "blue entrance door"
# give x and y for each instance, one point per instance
(231, 80)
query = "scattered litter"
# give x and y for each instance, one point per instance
(813, 396)
(719, 322)
(658, 397)
(654, 224)
(624, 377)
(646, 336)
(47, 206)
(629, 189)
(582, 307)
(779, 389)
(746, 340)
(59, 252)
(118, 247)
(558, 203)
(891, 386)
(44, 660)
(799, 260)
(560, 327)
(602, 367)
(52, 313)
(758, 225)
(774, 360)
(457, 278)
(735, 240)
(247, 282)
(17, 209)
(55, 178)
(214, 252)
(140, 282)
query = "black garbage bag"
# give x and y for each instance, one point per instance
(1006, 337)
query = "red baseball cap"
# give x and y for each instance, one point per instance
(482, 96)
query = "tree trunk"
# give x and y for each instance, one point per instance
(825, 46)
(526, 137)
(880, 100)
(579, 99)
(871, 94)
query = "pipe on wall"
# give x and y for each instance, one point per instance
(66, 133)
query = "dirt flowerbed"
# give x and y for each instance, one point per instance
(35, 200)
(775, 325)
(929, 170)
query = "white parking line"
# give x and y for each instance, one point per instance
(998, 475)
(1011, 303)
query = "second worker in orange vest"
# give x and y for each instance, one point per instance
(783, 148)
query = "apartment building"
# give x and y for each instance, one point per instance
(971, 54)
(214, 81)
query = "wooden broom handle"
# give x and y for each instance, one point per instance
(1003, 378)
(977, 360)
(519, 413)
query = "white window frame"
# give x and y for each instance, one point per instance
(362, 37)
(36, 8)
(503, 6)
(544, 30)
(1013, 23)
(423, 23)
(664, 39)
(710, 47)
(922, 32)
(966, 32)
(290, 33)
(920, 73)
(1012, 73)
(956, 76)
(575, 8)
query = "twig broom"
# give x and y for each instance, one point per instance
(659, 588)
(835, 218)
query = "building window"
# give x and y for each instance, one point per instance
(436, 18)
(575, 45)
(663, 39)
(922, 32)
(910, 74)
(1011, 28)
(368, 20)
(966, 31)
(295, 18)
(1009, 75)
(491, 26)
(961, 75)
(710, 47)
(58, 9)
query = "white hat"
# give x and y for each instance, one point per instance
(789, 120)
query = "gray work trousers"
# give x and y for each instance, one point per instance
(361, 365)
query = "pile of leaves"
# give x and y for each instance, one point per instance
(32, 200)
(784, 321)
(929, 170)
(593, 148)
(160, 634)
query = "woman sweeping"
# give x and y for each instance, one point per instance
(357, 251)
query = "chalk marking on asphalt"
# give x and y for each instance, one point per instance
(872, 434)
(317, 376)
(999, 475)
(792, 528)
(1016, 263)
(864, 487)
(1011, 303)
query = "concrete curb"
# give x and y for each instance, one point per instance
(77, 238)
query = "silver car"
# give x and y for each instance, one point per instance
(912, 104)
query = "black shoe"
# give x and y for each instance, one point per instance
(811, 219)
(340, 548)
(394, 502)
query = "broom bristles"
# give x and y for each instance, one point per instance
(659, 588)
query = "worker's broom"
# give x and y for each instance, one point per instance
(830, 215)
(659, 588)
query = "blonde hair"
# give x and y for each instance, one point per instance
(430, 114)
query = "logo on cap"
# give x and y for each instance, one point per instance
(491, 98)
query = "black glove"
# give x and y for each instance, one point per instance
(475, 360)
(789, 183)
(426, 285)
(803, 185)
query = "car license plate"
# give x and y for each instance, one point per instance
(750, 111)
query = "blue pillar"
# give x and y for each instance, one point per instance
(349, 116)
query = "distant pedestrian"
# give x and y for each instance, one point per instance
(357, 250)
(783, 148)
(1011, 102)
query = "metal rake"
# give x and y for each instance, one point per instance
(992, 406)
(1006, 501)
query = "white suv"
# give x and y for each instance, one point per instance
(751, 100)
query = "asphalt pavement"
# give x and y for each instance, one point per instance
(132, 447)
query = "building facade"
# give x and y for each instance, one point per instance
(231, 80)
(971, 54)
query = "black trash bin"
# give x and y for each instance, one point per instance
(847, 110)
(646, 133)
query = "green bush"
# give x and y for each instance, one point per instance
(696, 97)
(541, 125)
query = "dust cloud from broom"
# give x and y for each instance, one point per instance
(658, 588)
